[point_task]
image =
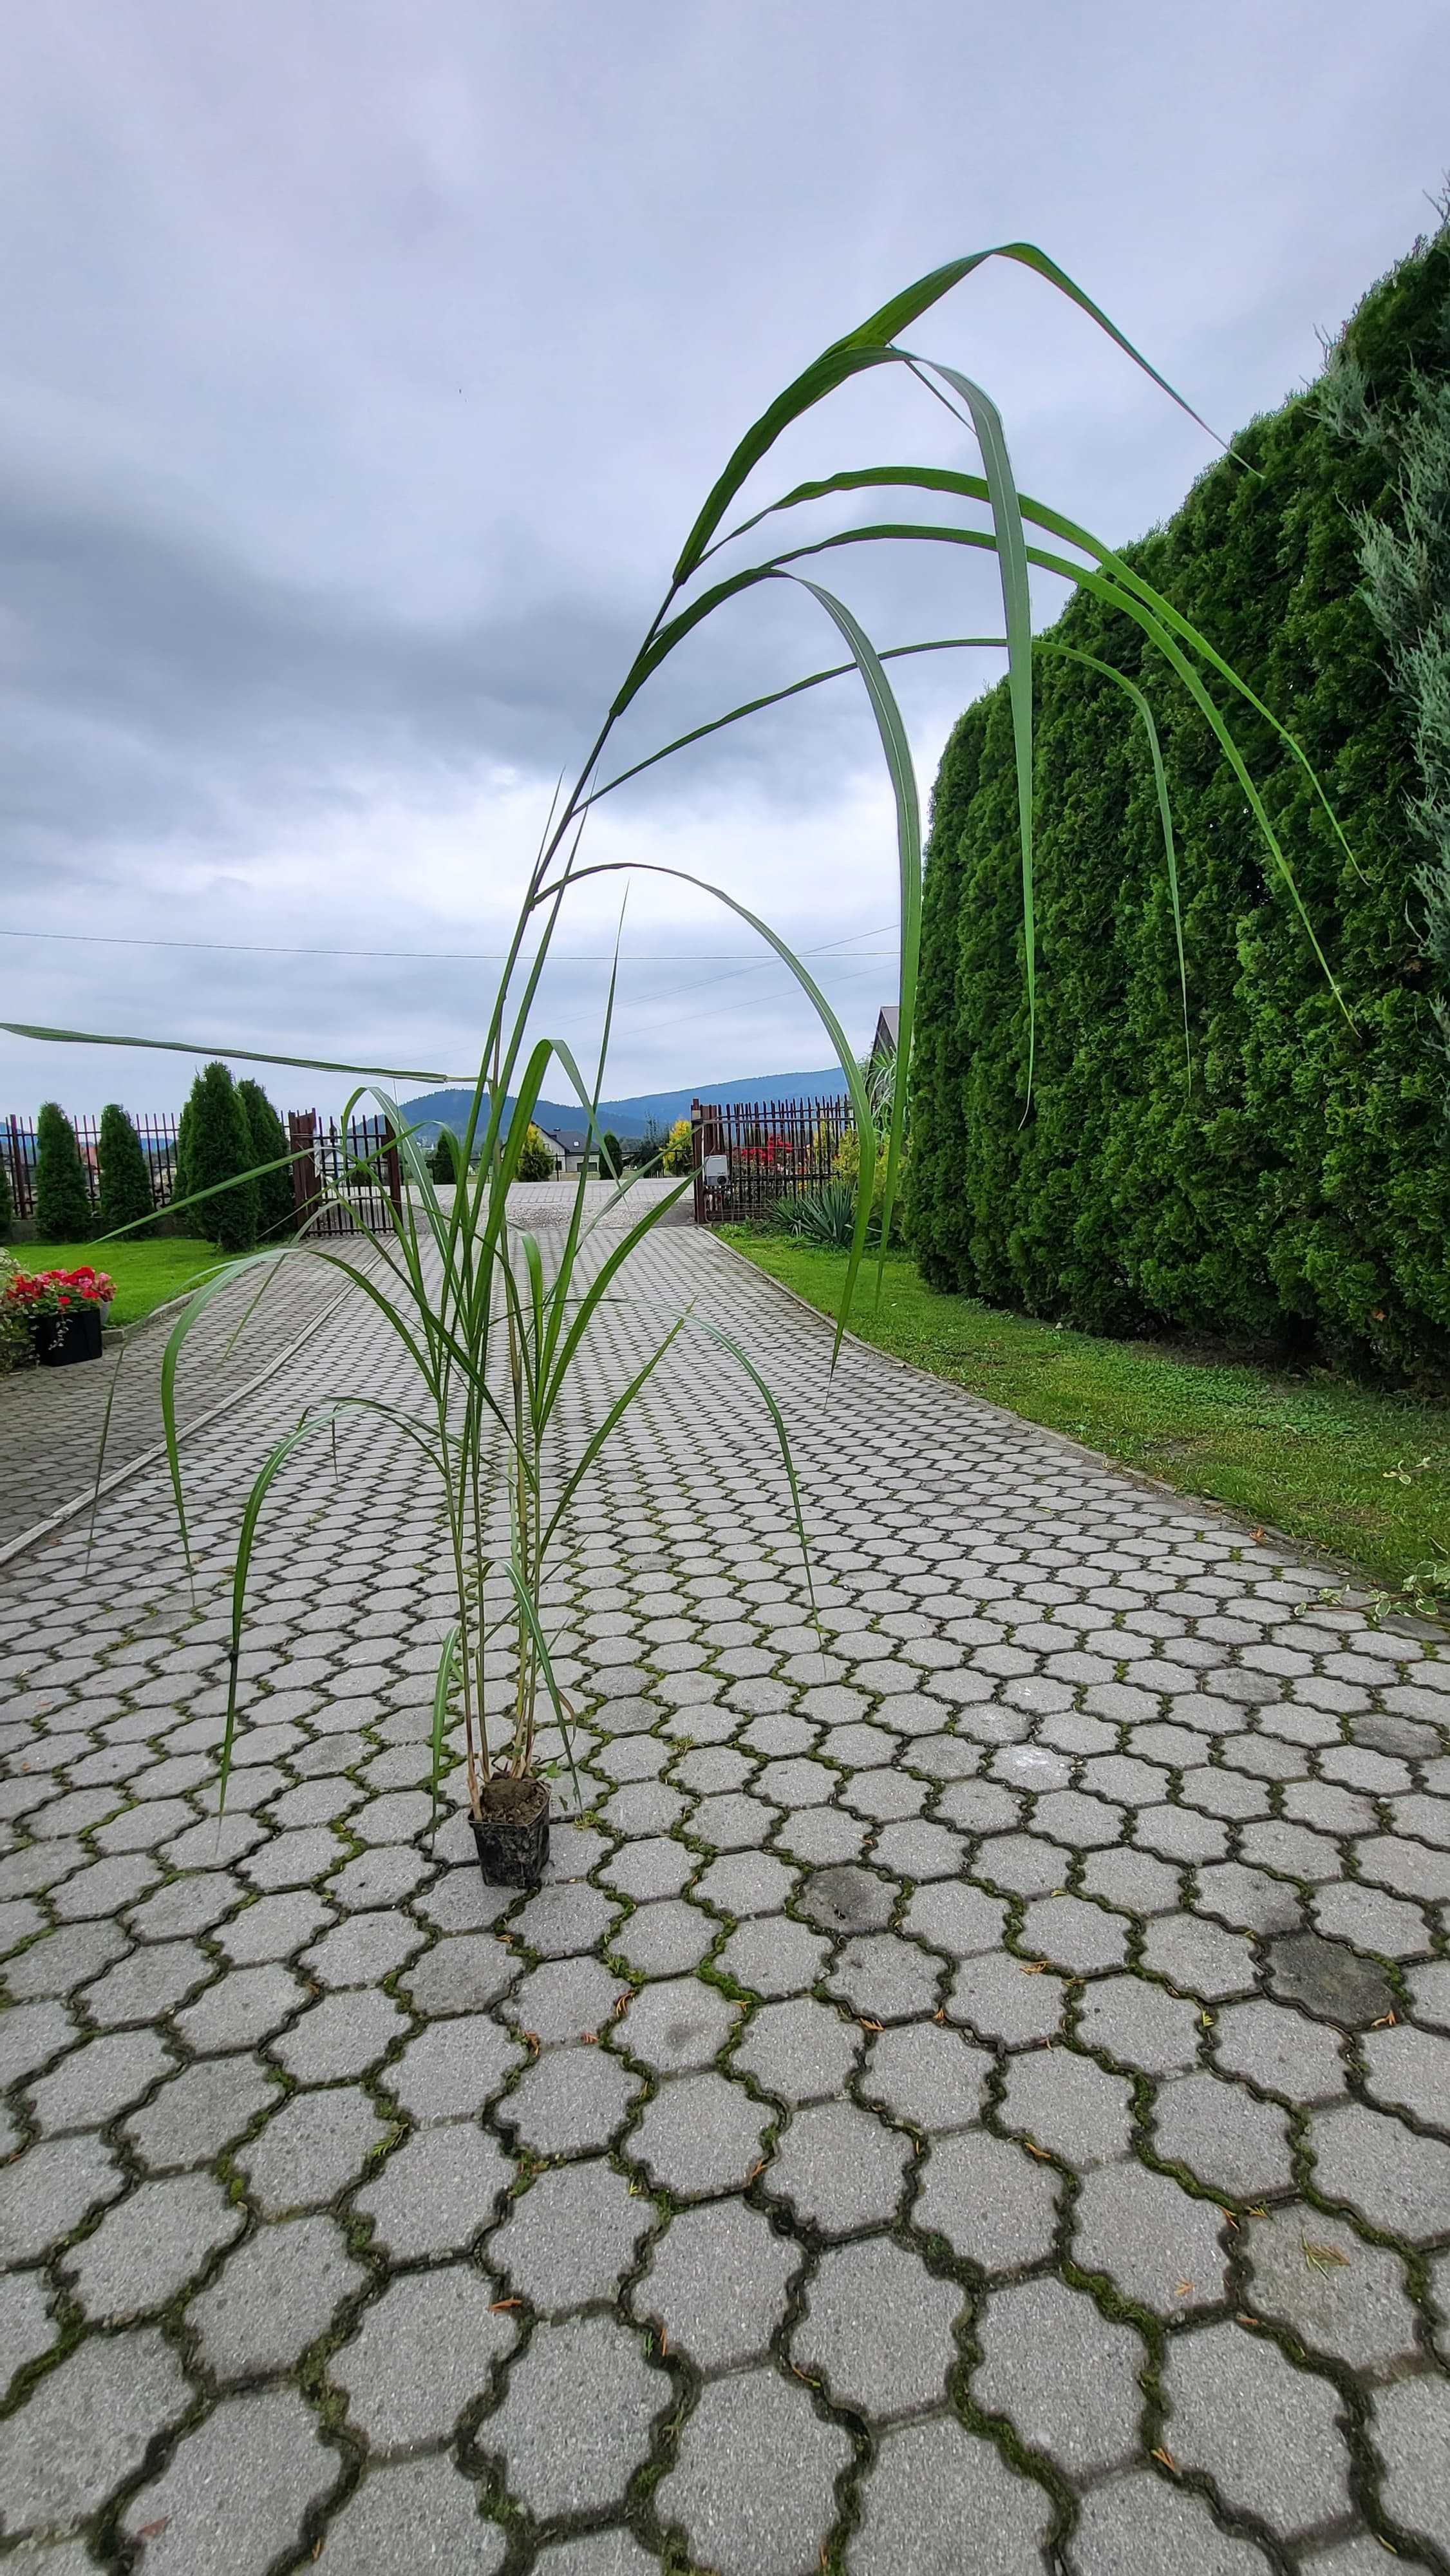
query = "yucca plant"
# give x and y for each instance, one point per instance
(495, 1331)
(826, 1215)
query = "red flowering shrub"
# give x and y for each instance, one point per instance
(58, 1292)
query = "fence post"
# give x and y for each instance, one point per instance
(301, 1132)
(697, 1159)
(22, 1188)
(393, 1167)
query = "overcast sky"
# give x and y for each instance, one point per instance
(362, 366)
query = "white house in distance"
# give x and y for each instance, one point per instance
(570, 1150)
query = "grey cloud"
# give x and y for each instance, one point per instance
(361, 371)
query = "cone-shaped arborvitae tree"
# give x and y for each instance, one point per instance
(62, 1200)
(217, 1146)
(444, 1160)
(275, 1214)
(125, 1174)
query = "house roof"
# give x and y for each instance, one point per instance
(568, 1142)
(888, 1025)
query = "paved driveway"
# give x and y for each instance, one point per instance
(974, 2100)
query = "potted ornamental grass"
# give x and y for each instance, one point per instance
(64, 1311)
(494, 1320)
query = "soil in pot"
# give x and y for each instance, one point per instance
(62, 1340)
(512, 1833)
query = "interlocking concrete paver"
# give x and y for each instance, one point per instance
(26, 2327)
(1411, 2432)
(877, 2328)
(274, 2296)
(411, 2514)
(775, 2521)
(1066, 2103)
(1095, 1808)
(699, 2134)
(310, 2149)
(148, 2246)
(932, 2486)
(1267, 2434)
(235, 2494)
(569, 2237)
(1063, 2374)
(1138, 2525)
(574, 2423)
(46, 2193)
(716, 2282)
(600, 2553)
(1158, 2244)
(839, 2168)
(1338, 2294)
(84, 2428)
(421, 2353)
(436, 2190)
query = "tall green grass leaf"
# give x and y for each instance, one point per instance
(775, 697)
(1017, 611)
(860, 1098)
(1165, 809)
(1102, 587)
(599, 1436)
(868, 345)
(716, 1333)
(227, 1054)
(897, 750)
(562, 1711)
(442, 1682)
(323, 1420)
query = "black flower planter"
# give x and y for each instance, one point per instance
(62, 1340)
(512, 1834)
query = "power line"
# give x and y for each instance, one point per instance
(437, 956)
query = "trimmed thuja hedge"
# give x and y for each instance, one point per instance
(1292, 1187)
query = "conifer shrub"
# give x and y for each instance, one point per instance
(1292, 1188)
(275, 1204)
(536, 1162)
(447, 1154)
(217, 1147)
(611, 1156)
(63, 1211)
(125, 1192)
(678, 1156)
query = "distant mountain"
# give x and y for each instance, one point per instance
(435, 1109)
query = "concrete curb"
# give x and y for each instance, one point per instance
(45, 1529)
(118, 1336)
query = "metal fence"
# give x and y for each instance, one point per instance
(749, 1155)
(158, 1144)
(363, 1163)
(359, 1162)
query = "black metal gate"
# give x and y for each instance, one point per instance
(749, 1154)
(344, 1180)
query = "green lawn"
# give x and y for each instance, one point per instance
(1365, 1477)
(146, 1274)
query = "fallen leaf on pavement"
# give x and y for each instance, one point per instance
(1324, 2258)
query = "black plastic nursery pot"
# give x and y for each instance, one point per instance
(62, 1340)
(512, 1833)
